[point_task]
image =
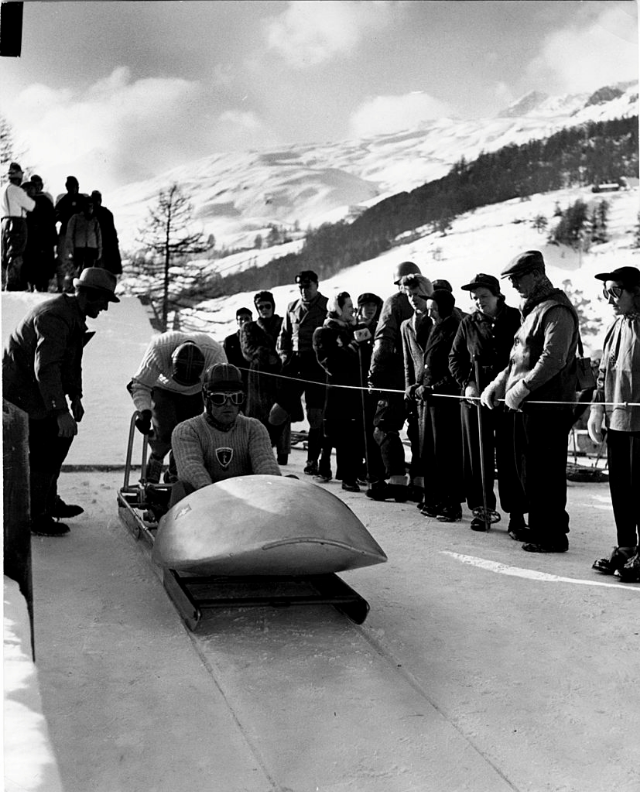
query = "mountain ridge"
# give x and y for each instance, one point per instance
(237, 196)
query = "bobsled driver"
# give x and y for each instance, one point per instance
(220, 443)
(166, 389)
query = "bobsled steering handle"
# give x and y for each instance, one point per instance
(145, 442)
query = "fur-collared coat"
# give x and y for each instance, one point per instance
(258, 344)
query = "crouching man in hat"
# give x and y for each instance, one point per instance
(42, 375)
(542, 368)
(220, 443)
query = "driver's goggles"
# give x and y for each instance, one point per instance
(614, 291)
(218, 398)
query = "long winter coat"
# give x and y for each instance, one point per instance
(338, 355)
(258, 344)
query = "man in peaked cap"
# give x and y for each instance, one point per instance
(42, 375)
(220, 443)
(542, 368)
(166, 389)
(300, 365)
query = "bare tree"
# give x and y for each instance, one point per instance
(168, 234)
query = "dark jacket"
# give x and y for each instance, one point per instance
(42, 361)
(489, 338)
(436, 375)
(337, 353)
(110, 259)
(258, 345)
(300, 322)
(387, 367)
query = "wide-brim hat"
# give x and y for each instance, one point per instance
(481, 279)
(628, 277)
(524, 262)
(99, 279)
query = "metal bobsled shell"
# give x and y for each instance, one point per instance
(263, 525)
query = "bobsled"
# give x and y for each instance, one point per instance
(263, 525)
(248, 541)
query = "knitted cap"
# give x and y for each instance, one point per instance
(222, 377)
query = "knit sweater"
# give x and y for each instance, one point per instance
(156, 368)
(205, 454)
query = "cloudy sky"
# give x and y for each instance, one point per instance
(115, 92)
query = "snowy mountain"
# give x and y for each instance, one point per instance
(238, 195)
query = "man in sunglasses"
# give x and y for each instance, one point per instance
(542, 368)
(220, 443)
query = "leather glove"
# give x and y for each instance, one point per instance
(516, 395)
(410, 392)
(67, 427)
(490, 395)
(595, 424)
(143, 422)
(423, 392)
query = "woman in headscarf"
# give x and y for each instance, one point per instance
(258, 345)
(337, 352)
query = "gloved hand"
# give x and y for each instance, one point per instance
(471, 392)
(516, 395)
(410, 392)
(423, 392)
(143, 422)
(67, 427)
(595, 424)
(490, 395)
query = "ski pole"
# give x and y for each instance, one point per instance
(483, 474)
(364, 416)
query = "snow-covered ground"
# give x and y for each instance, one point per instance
(480, 241)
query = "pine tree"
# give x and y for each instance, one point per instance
(168, 234)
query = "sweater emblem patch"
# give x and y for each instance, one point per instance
(224, 456)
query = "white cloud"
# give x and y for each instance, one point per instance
(589, 55)
(384, 114)
(111, 132)
(246, 129)
(309, 33)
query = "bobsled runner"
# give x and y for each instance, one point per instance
(249, 541)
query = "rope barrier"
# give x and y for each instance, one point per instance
(372, 390)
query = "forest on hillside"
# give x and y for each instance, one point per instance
(590, 154)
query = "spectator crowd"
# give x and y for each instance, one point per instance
(47, 243)
(485, 398)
